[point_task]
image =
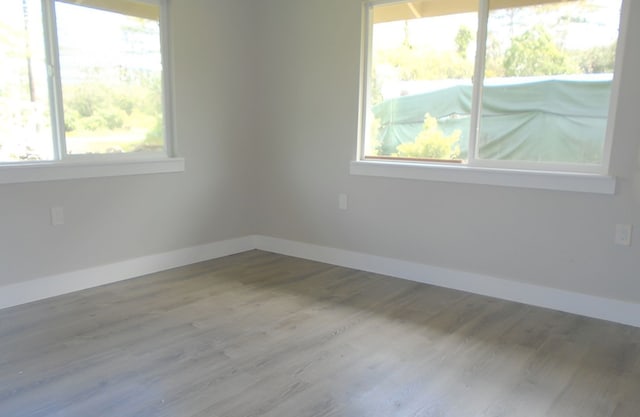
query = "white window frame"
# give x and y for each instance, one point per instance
(562, 177)
(68, 166)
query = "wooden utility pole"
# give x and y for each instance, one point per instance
(27, 44)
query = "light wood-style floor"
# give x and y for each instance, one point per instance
(258, 334)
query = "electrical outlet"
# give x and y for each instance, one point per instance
(623, 234)
(342, 201)
(57, 216)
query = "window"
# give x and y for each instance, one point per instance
(507, 84)
(82, 80)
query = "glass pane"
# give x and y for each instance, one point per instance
(25, 124)
(420, 82)
(548, 79)
(111, 81)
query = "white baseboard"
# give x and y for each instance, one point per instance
(570, 302)
(41, 288)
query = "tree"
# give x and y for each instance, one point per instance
(373, 146)
(432, 143)
(535, 53)
(494, 58)
(27, 46)
(462, 40)
(423, 64)
(597, 60)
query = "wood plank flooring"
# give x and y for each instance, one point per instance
(259, 334)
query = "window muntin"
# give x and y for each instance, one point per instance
(105, 85)
(507, 120)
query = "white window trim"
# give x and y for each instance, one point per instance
(66, 170)
(66, 166)
(545, 180)
(562, 177)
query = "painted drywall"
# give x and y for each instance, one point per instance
(309, 76)
(120, 218)
(266, 95)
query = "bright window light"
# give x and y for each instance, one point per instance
(514, 84)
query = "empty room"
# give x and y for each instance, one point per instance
(234, 208)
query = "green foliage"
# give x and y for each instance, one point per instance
(494, 58)
(423, 64)
(11, 42)
(376, 91)
(100, 107)
(410, 62)
(535, 53)
(153, 140)
(597, 60)
(432, 143)
(463, 38)
(373, 143)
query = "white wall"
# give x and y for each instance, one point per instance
(266, 98)
(310, 59)
(114, 219)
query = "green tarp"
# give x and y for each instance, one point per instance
(551, 120)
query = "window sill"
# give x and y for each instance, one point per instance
(559, 181)
(58, 170)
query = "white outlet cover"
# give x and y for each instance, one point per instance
(57, 216)
(342, 201)
(623, 234)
